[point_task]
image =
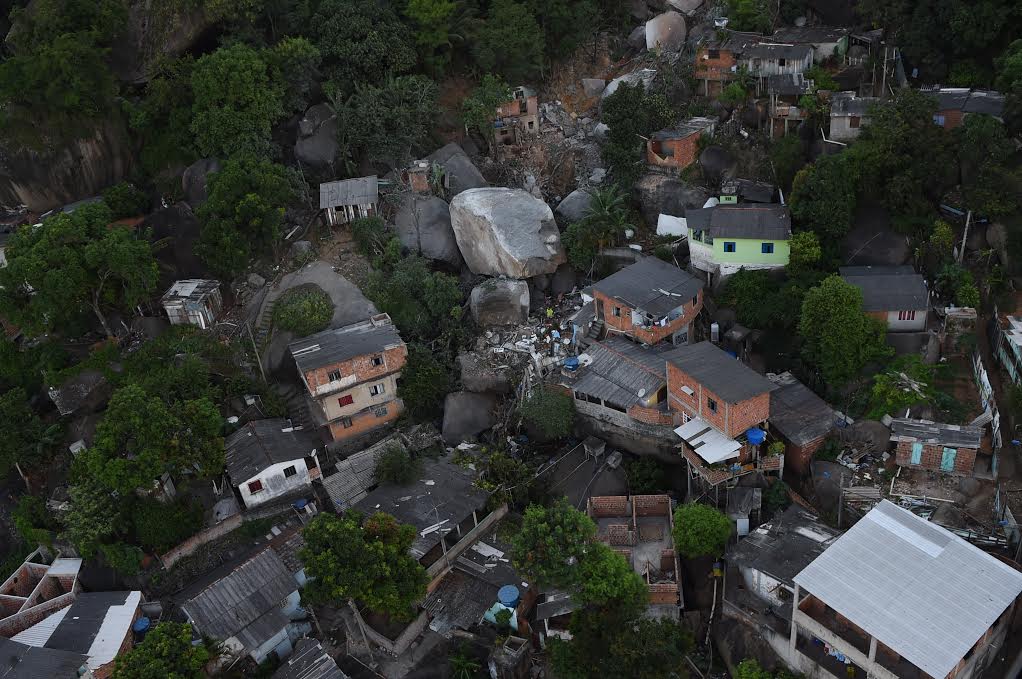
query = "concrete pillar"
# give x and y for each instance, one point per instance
(794, 627)
(872, 648)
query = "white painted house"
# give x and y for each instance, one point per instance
(268, 459)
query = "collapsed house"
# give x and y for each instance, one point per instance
(785, 91)
(678, 147)
(517, 119)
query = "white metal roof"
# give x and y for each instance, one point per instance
(116, 624)
(918, 588)
(709, 444)
(38, 634)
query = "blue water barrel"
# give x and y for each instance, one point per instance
(300, 504)
(571, 363)
(141, 626)
(508, 595)
(732, 354)
(755, 435)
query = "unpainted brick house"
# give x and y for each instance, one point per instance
(517, 119)
(678, 147)
(351, 375)
(948, 448)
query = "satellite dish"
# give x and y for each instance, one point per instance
(642, 392)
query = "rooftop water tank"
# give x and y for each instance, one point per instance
(755, 435)
(508, 596)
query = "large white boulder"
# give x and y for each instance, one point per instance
(506, 232)
(423, 224)
(666, 31)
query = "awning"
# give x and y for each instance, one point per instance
(708, 443)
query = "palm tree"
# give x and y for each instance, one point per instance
(607, 216)
(463, 666)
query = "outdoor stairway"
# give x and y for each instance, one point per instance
(298, 408)
(595, 330)
(262, 325)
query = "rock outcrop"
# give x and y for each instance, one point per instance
(194, 180)
(156, 30)
(666, 31)
(423, 224)
(461, 173)
(317, 137)
(467, 415)
(718, 163)
(506, 232)
(500, 301)
(657, 193)
(574, 206)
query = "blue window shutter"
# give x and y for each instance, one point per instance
(729, 246)
(767, 248)
(917, 453)
(947, 460)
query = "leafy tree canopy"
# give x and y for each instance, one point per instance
(566, 24)
(367, 561)
(424, 304)
(425, 381)
(161, 118)
(551, 543)
(74, 262)
(839, 337)
(549, 411)
(607, 580)
(396, 465)
(165, 653)
(94, 515)
(984, 149)
(645, 476)
(823, 197)
(700, 530)
(479, 108)
(907, 382)
(22, 439)
(631, 113)
(303, 311)
(125, 200)
(510, 42)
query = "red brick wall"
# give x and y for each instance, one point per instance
(683, 151)
(22, 621)
(714, 69)
(798, 457)
(619, 534)
(608, 505)
(361, 366)
(366, 421)
(749, 413)
(732, 419)
(952, 119)
(663, 593)
(650, 415)
(651, 505)
(931, 456)
(623, 323)
(667, 560)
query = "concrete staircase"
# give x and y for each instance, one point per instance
(595, 331)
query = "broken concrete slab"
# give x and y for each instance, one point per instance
(466, 415)
(500, 301)
(593, 87)
(506, 232)
(666, 32)
(423, 225)
(461, 173)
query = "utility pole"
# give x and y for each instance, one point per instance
(259, 360)
(965, 235)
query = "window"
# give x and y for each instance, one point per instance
(938, 119)
(255, 486)
(767, 248)
(532, 124)
(695, 300)
(377, 389)
(729, 246)
(711, 404)
(906, 315)
(310, 462)
(334, 375)
(346, 423)
(290, 471)
(377, 361)
(714, 54)
(346, 400)
(782, 62)
(853, 122)
(617, 311)
(380, 411)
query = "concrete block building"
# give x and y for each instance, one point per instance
(268, 459)
(724, 239)
(896, 295)
(948, 448)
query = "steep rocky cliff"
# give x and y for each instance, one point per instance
(156, 29)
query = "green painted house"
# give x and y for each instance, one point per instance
(726, 238)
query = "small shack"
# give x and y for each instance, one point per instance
(949, 448)
(195, 301)
(679, 146)
(349, 199)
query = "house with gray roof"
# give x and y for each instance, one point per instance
(251, 609)
(955, 103)
(725, 238)
(349, 199)
(898, 596)
(309, 661)
(896, 295)
(826, 42)
(269, 459)
(21, 661)
(799, 418)
(849, 113)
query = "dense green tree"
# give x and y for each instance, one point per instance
(566, 24)
(984, 149)
(161, 118)
(479, 109)
(303, 311)
(396, 465)
(823, 198)
(605, 645)
(763, 300)
(551, 543)
(140, 438)
(645, 476)
(21, 431)
(162, 525)
(907, 382)
(425, 381)
(166, 652)
(605, 220)
(1009, 81)
(347, 558)
(94, 515)
(360, 41)
(237, 100)
(631, 113)
(294, 62)
(805, 251)
(700, 530)
(244, 214)
(551, 412)
(839, 337)
(749, 15)
(787, 157)
(74, 262)
(125, 200)
(606, 580)
(510, 43)
(33, 519)
(956, 283)
(385, 123)
(432, 20)
(424, 304)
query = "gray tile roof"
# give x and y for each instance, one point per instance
(925, 431)
(341, 344)
(20, 661)
(797, 413)
(754, 191)
(766, 50)
(969, 101)
(848, 104)
(720, 372)
(808, 34)
(262, 443)
(888, 288)
(443, 497)
(309, 661)
(750, 220)
(918, 588)
(356, 474)
(652, 285)
(620, 369)
(361, 191)
(246, 602)
(787, 84)
(990, 103)
(685, 129)
(785, 545)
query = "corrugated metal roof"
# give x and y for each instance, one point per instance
(356, 474)
(797, 413)
(262, 443)
(340, 344)
(708, 443)
(459, 602)
(848, 104)
(20, 661)
(309, 661)
(964, 436)
(193, 288)
(686, 128)
(884, 288)
(766, 50)
(918, 588)
(652, 285)
(787, 84)
(248, 593)
(720, 372)
(360, 191)
(785, 545)
(619, 370)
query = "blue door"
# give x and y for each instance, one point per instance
(917, 453)
(947, 460)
